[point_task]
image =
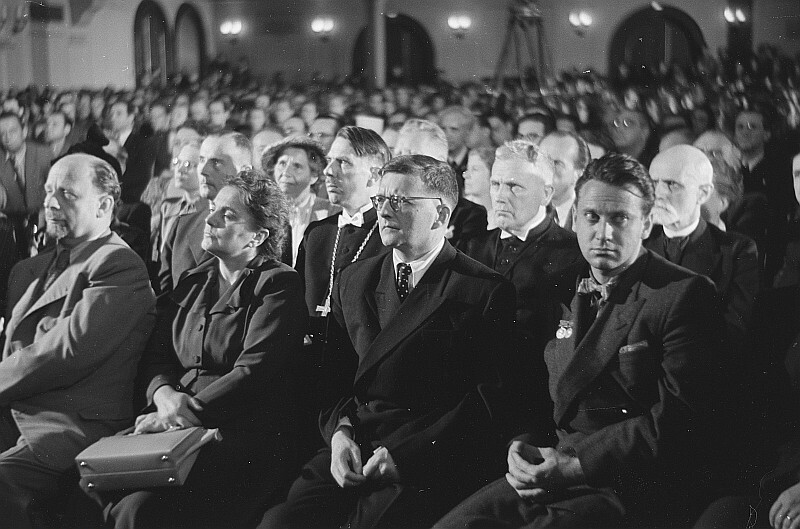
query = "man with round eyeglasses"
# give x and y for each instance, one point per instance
(429, 327)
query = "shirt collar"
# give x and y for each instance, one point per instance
(418, 266)
(76, 251)
(684, 232)
(564, 211)
(523, 233)
(20, 154)
(357, 219)
(458, 159)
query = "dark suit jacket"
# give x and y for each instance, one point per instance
(182, 250)
(531, 270)
(467, 222)
(71, 353)
(634, 389)
(428, 378)
(730, 260)
(236, 354)
(139, 165)
(37, 166)
(314, 255)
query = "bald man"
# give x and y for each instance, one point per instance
(221, 157)
(419, 136)
(683, 177)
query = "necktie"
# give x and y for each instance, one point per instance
(60, 263)
(403, 277)
(673, 248)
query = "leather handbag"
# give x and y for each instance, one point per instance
(161, 459)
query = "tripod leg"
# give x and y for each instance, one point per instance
(532, 53)
(518, 48)
(504, 52)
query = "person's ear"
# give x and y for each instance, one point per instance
(647, 225)
(548, 195)
(258, 238)
(443, 217)
(106, 206)
(704, 194)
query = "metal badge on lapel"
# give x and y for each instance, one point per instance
(564, 329)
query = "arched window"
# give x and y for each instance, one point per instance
(649, 37)
(409, 52)
(152, 44)
(190, 42)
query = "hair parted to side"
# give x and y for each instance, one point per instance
(437, 177)
(527, 151)
(583, 156)
(267, 205)
(623, 171)
(366, 142)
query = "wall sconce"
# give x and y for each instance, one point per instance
(734, 16)
(459, 25)
(322, 27)
(231, 29)
(580, 21)
(20, 18)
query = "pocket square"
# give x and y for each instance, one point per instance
(634, 347)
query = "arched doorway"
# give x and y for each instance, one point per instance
(649, 37)
(190, 42)
(409, 52)
(152, 44)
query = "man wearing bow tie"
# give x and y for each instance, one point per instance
(328, 246)
(632, 370)
(78, 319)
(422, 425)
(528, 247)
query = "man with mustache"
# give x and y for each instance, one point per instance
(683, 179)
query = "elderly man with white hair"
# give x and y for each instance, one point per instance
(683, 177)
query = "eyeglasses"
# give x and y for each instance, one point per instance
(624, 123)
(397, 202)
(185, 165)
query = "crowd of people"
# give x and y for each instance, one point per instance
(412, 307)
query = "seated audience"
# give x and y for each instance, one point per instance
(534, 126)
(77, 321)
(185, 180)
(632, 134)
(420, 428)
(631, 372)
(727, 193)
(457, 123)
(221, 356)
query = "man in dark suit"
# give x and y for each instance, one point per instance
(78, 319)
(527, 248)
(23, 171)
(427, 325)
(419, 136)
(221, 157)
(457, 123)
(683, 179)
(631, 376)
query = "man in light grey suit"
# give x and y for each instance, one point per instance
(78, 319)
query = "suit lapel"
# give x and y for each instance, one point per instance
(423, 301)
(15, 199)
(600, 344)
(385, 302)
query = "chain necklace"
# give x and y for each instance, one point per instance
(326, 308)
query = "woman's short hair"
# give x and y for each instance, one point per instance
(312, 148)
(267, 206)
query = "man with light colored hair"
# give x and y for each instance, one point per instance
(683, 178)
(419, 136)
(527, 248)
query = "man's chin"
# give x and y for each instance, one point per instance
(55, 231)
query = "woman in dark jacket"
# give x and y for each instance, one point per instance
(222, 356)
